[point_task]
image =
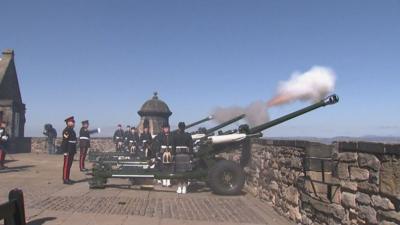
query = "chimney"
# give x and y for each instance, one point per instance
(8, 53)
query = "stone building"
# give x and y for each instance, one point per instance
(156, 112)
(12, 109)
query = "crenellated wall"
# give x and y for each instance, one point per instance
(358, 183)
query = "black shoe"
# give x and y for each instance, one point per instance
(68, 182)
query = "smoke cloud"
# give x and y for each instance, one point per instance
(256, 113)
(312, 85)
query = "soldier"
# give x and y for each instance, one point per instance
(146, 139)
(135, 134)
(3, 143)
(68, 146)
(182, 146)
(51, 134)
(118, 138)
(163, 149)
(126, 135)
(84, 144)
(133, 140)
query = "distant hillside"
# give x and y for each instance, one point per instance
(367, 138)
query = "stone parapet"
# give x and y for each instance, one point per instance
(359, 182)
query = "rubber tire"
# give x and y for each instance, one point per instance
(215, 182)
(97, 184)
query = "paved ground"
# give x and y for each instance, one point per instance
(48, 201)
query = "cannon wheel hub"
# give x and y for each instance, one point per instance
(226, 178)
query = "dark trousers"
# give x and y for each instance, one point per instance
(68, 159)
(82, 157)
(51, 146)
(2, 156)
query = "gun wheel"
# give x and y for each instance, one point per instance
(97, 184)
(226, 178)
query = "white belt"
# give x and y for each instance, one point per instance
(73, 142)
(131, 141)
(118, 137)
(84, 138)
(182, 149)
(165, 147)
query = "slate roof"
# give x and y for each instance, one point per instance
(4, 62)
(155, 106)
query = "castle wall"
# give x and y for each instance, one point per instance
(38, 144)
(358, 183)
(361, 181)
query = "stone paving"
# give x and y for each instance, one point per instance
(48, 201)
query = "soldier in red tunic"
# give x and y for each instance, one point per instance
(68, 147)
(3, 143)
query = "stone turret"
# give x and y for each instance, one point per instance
(12, 109)
(156, 112)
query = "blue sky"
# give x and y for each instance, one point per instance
(100, 60)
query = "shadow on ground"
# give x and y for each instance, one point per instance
(81, 180)
(41, 221)
(194, 187)
(10, 160)
(16, 169)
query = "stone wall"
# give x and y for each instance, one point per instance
(38, 144)
(273, 173)
(369, 177)
(10, 97)
(358, 183)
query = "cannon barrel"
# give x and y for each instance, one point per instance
(208, 118)
(330, 100)
(224, 124)
(231, 138)
(205, 133)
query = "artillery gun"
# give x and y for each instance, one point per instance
(113, 157)
(224, 177)
(202, 132)
(198, 122)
